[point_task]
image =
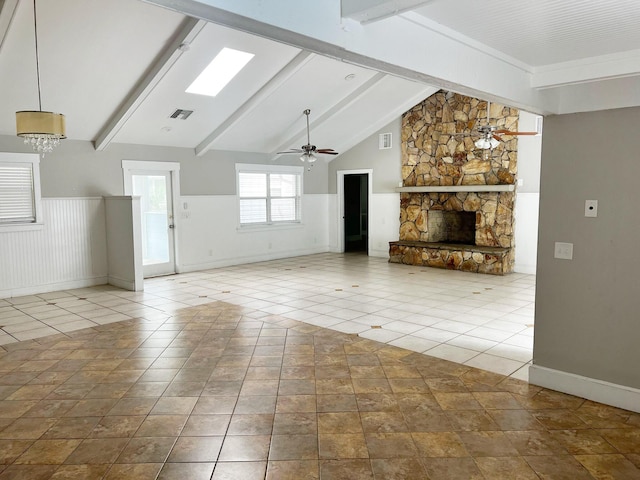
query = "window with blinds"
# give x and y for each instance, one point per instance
(18, 192)
(269, 196)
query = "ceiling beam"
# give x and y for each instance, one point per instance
(263, 93)
(8, 10)
(187, 33)
(369, 11)
(338, 107)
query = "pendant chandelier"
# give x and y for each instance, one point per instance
(42, 130)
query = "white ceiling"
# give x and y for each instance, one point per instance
(113, 67)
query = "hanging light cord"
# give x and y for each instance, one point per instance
(35, 31)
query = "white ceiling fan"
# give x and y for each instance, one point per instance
(309, 151)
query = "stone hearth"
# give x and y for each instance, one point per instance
(436, 157)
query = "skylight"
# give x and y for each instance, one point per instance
(219, 72)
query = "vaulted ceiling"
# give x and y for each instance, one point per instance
(118, 69)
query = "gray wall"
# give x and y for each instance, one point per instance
(385, 163)
(75, 169)
(587, 319)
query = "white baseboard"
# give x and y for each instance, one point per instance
(528, 269)
(122, 283)
(53, 287)
(227, 262)
(600, 391)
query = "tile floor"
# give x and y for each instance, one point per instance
(482, 321)
(211, 392)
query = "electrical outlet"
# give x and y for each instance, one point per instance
(591, 208)
(563, 250)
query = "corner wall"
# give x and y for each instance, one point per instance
(587, 308)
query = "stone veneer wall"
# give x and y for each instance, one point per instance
(433, 155)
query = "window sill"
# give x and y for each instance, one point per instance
(269, 227)
(20, 227)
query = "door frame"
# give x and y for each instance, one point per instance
(340, 205)
(131, 167)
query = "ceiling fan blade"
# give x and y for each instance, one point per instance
(327, 151)
(293, 150)
(509, 132)
(497, 137)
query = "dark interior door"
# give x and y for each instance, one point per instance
(356, 213)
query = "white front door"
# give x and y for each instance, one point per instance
(158, 227)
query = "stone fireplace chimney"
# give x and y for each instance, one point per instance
(457, 201)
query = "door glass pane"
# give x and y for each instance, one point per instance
(152, 190)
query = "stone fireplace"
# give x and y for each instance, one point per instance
(456, 202)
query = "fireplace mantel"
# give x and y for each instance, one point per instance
(456, 188)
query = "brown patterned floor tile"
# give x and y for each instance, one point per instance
(97, 451)
(334, 386)
(259, 387)
(293, 447)
(48, 452)
(377, 402)
(296, 387)
(133, 406)
(32, 392)
(222, 388)
(398, 469)
(265, 404)
(295, 424)
(51, 408)
(505, 468)
(625, 441)
(558, 467)
(515, 420)
(15, 409)
(360, 371)
(214, 405)
(383, 422)
(390, 445)
(471, 420)
(609, 467)
(352, 445)
(457, 401)
(80, 472)
(76, 427)
(97, 407)
(346, 470)
(371, 385)
(147, 450)
(164, 426)
(535, 442)
(452, 469)
(146, 389)
(117, 426)
(195, 449)
(559, 419)
(27, 428)
(239, 470)
(296, 404)
(251, 424)
(428, 421)
(336, 403)
(583, 442)
(174, 406)
(243, 448)
(408, 385)
(439, 444)
(293, 470)
(190, 471)
(28, 472)
(12, 449)
(142, 471)
(487, 444)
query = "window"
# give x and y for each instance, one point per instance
(19, 189)
(269, 194)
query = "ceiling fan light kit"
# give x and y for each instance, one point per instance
(42, 130)
(309, 151)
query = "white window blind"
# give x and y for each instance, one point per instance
(270, 196)
(17, 203)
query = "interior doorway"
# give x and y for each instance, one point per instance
(356, 213)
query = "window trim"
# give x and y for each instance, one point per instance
(269, 169)
(34, 160)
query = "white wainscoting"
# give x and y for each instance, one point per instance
(209, 235)
(526, 226)
(68, 252)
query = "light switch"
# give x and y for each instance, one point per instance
(591, 208)
(563, 250)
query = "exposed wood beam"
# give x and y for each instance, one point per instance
(338, 107)
(369, 11)
(265, 91)
(7, 12)
(189, 31)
